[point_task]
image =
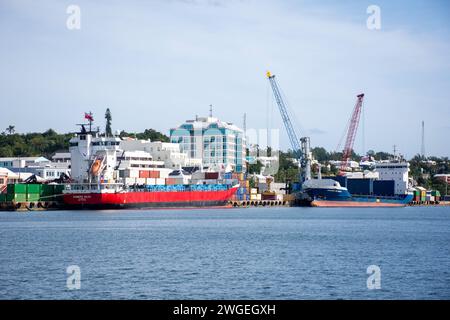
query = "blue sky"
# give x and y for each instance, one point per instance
(158, 63)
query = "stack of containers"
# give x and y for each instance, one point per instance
(429, 197)
(423, 194)
(22, 192)
(437, 195)
(17, 192)
(243, 192)
(253, 194)
(416, 197)
(34, 192)
(228, 179)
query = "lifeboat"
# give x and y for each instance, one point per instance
(95, 168)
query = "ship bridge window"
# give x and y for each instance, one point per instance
(73, 144)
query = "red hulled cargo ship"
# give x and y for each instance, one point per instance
(111, 173)
(108, 197)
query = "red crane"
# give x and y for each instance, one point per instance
(351, 134)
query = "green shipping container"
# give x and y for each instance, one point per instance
(17, 197)
(435, 193)
(17, 188)
(58, 188)
(2, 197)
(34, 188)
(33, 197)
(47, 190)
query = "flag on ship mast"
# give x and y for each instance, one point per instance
(89, 116)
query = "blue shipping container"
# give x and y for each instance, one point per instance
(360, 186)
(384, 187)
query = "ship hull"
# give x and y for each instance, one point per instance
(356, 204)
(342, 198)
(148, 199)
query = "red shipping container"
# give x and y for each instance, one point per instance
(211, 175)
(143, 174)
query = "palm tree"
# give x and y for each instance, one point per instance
(10, 129)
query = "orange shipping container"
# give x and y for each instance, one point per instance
(154, 174)
(143, 174)
(170, 181)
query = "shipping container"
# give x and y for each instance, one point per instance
(143, 174)
(435, 193)
(244, 183)
(17, 197)
(199, 175)
(160, 181)
(2, 197)
(34, 188)
(132, 173)
(154, 174)
(269, 196)
(47, 190)
(58, 188)
(17, 188)
(384, 187)
(130, 181)
(228, 175)
(150, 181)
(253, 190)
(360, 186)
(33, 196)
(242, 190)
(174, 181)
(211, 175)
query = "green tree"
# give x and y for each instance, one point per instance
(255, 167)
(320, 154)
(108, 117)
(11, 129)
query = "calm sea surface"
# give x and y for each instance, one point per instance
(264, 253)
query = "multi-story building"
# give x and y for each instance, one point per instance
(22, 162)
(220, 145)
(170, 153)
(61, 157)
(40, 166)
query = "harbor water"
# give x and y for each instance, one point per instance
(254, 253)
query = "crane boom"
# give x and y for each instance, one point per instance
(295, 142)
(300, 147)
(351, 134)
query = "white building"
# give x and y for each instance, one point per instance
(22, 162)
(169, 153)
(397, 171)
(61, 157)
(40, 166)
(219, 144)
